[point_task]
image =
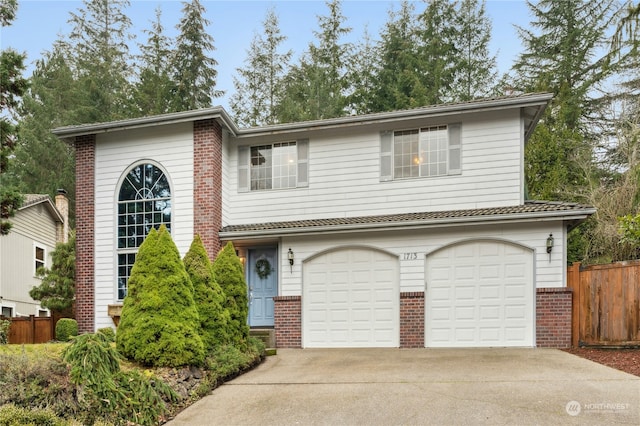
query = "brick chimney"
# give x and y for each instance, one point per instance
(62, 204)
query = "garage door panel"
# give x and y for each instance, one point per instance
(362, 300)
(489, 288)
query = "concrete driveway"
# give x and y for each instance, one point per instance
(421, 387)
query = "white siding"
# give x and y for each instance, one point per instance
(32, 225)
(412, 269)
(344, 176)
(169, 146)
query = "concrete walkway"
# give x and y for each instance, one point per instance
(422, 387)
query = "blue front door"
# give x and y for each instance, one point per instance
(262, 278)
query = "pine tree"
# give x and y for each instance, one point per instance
(98, 43)
(57, 289)
(194, 71)
(475, 73)
(400, 84)
(208, 295)
(259, 86)
(154, 87)
(316, 89)
(437, 50)
(228, 272)
(159, 325)
(363, 70)
(12, 88)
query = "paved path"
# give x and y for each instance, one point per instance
(422, 387)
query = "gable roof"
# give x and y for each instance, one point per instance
(532, 105)
(31, 200)
(529, 211)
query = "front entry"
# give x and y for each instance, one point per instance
(262, 279)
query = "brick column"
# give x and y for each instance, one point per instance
(288, 321)
(553, 317)
(412, 319)
(85, 228)
(207, 183)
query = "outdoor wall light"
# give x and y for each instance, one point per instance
(290, 256)
(550, 243)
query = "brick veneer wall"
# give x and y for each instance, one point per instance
(288, 321)
(207, 183)
(553, 317)
(412, 319)
(85, 227)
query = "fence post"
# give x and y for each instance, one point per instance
(573, 282)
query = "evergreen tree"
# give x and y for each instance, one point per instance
(57, 289)
(160, 323)
(98, 42)
(12, 87)
(563, 58)
(317, 87)
(259, 86)
(45, 163)
(154, 87)
(228, 272)
(194, 72)
(475, 73)
(363, 71)
(209, 297)
(437, 50)
(400, 84)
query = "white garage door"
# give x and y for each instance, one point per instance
(351, 299)
(480, 294)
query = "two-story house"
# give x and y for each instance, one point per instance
(398, 229)
(37, 226)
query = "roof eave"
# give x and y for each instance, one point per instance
(53, 210)
(574, 217)
(217, 113)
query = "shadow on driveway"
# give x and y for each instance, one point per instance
(421, 387)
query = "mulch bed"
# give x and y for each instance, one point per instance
(627, 360)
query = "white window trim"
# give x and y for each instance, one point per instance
(35, 259)
(302, 165)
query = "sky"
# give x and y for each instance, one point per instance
(233, 24)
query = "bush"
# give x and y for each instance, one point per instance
(66, 328)
(159, 325)
(11, 415)
(209, 297)
(109, 333)
(228, 272)
(109, 393)
(4, 331)
(37, 381)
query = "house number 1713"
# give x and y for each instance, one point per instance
(410, 256)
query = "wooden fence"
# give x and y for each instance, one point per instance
(606, 304)
(31, 329)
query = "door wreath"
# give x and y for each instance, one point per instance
(263, 268)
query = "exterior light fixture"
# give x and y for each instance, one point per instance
(549, 245)
(290, 257)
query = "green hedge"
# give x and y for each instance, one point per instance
(66, 328)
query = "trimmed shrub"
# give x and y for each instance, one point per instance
(209, 297)
(228, 272)
(66, 328)
(109, 333)
(159, 325)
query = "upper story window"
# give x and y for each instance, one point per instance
(422, 152)
(39, 258)
(144, 202)
(274, 166)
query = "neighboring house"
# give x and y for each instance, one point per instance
(37, 226)
(398, 229)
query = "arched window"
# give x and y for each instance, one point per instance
(144, 202)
